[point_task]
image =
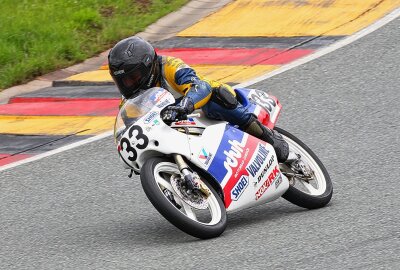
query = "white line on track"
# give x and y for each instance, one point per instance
(337, 45)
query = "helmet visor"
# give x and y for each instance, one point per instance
(132, 81)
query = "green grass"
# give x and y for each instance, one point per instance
(39, 36)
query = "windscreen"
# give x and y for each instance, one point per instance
(135, 108)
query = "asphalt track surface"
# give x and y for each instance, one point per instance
(78, 209)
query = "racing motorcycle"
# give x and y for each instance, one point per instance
(196, 170)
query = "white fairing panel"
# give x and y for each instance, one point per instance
(245, 167)
(150, 136)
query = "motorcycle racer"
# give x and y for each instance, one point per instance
(135, 67)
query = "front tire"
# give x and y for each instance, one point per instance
(155, 178)
(309, 194)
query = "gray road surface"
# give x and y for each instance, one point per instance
(78, 210)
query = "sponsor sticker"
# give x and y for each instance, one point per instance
(150, 117)
(256, 165)
(239, 188)
(278, 182)
(233, 154)
(274, 175)
(118, 72)
(151, 124)
(239, 168)
(189, 121)
(205, 156)
(265, 170)
(231, 158)
(163, 104)
(158, 95)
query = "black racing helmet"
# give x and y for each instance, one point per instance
(133, 65)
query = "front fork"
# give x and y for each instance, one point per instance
(191, 178)
(185, 170)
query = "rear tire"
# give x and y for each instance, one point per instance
(319, 196)
(161, 167)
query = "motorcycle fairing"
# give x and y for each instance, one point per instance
(148, 135)
(245, 167)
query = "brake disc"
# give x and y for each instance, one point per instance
(194, 198)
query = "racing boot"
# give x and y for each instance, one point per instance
(255, 128)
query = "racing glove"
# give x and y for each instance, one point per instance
(178, 112)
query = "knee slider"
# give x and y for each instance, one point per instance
(223, 96)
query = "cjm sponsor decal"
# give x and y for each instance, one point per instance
(239, 168)
(239, 188)
(274, 175)
(150, 117)
(232, 155)
(258, 161)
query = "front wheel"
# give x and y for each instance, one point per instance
(313, 192)
(208, 221)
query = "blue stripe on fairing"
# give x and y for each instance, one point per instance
(217, 168)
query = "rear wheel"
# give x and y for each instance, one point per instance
(308, 192)
(199, 215)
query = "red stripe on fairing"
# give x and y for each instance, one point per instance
(95, 107)
(6, 159)
(240, 56)
(263, 117)
(271, 124)
(251, 144)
